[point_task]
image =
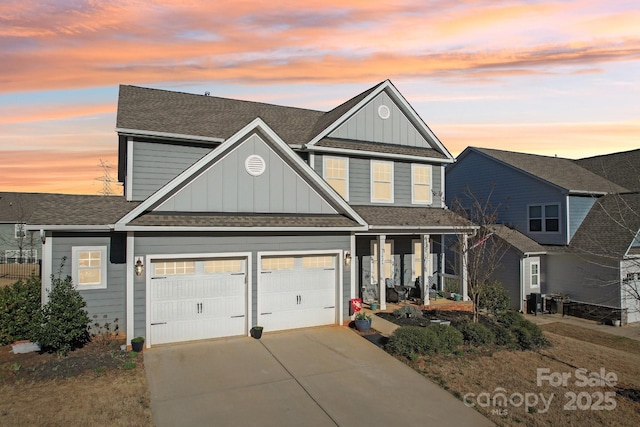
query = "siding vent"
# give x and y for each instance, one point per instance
(384, 112)
(255, 165)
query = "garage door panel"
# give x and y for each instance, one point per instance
(199, 305)
(298, 297)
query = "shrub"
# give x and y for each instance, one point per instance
(410, 341)
(476, 333)
(494, 298)
(20, 314)
(65, 321)
(407, 311)
(524, 334)
(450, 338)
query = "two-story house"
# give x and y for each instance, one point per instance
(240, 213)
(17, 245)
(570, 230)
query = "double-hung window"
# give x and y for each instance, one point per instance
(535, 274)
(89, 267)
(544, 218)
(381, 181)
(336, 174)
(420, 184)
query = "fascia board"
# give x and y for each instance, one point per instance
(316, 148)
(169, 135)
(120, 227)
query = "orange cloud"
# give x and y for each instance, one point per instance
(51, 112)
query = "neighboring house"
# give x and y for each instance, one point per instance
(240, 213)
(17, 245)
(570, 231)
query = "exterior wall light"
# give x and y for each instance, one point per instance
(139, 267)
(347, 258)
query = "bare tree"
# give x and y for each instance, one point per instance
(484, 250)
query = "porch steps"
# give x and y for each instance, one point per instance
(448, 305)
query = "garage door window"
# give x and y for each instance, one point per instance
(174, 267)
(223, 266)
(317, 261)
(280, 263)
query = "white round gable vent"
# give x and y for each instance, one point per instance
(384, 112)
(255, 165)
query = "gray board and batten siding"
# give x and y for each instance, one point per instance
(360, 181)
(216, 243)
(511, 191)
(155, 164)
(367, 125)
(225, 186)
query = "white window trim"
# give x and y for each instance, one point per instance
(373, 200)
(543, 218)
(346, 173)
(75, 267)
(531, 264)
(19, 227)
(413, 184)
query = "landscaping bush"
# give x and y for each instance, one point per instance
(411, 341)
(494, 298)
(523, 333)
(476, 333)
(407, 311)
(20, 314)
(65, 325)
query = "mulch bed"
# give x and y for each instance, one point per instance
(36, 366)
(428, 315)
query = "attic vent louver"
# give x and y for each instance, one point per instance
(255, 165)
(384, 112)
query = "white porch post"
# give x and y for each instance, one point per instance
(442, 262)
(47, 267)
(426, 268)
(130, 293)
(465, 263)
(381, 272)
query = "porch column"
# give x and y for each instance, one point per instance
(47, 267)
(426, 268)
(382, 292)
(465, 262)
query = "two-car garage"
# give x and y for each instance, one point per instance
(212, 296)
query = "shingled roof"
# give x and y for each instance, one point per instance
(401, 216)
(564, 173)
(610, 226)
(516, 239)
(75, 209)
(622, 168)
(17, 207)
(242, 220)
(376, 147)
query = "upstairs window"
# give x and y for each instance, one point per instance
(421, 184)
(381, 181)
(544, 218)
(336, 173)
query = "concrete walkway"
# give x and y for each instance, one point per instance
(327, 376)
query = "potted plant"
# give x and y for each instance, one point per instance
(256, 332)
(362, 321)
(137, 344)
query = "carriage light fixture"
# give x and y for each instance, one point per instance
(347, 258)
(139, 267)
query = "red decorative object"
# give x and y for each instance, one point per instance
(355, 305)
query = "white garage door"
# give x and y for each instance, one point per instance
(197, 299)
(297, 291)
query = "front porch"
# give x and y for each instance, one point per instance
(440, 304)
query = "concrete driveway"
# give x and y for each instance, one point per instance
(325, 376)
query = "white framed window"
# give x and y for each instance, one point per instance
(388, 260)
(89, 267)
(544, 218)
(535, 274)
(318, 261)
(381, 181)
(335, 171)
(421, 184)
(277, 263)
(172, 268)
(19, 231)
(223, 266)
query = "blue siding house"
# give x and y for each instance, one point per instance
(571, 231)
(239, 213)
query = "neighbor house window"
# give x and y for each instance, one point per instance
(544, 218)
(89, 267)
(381, 181)
(535, 274)
(19, 232)
(336, 173)
(421, 184)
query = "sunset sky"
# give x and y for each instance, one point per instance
(545, 77)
